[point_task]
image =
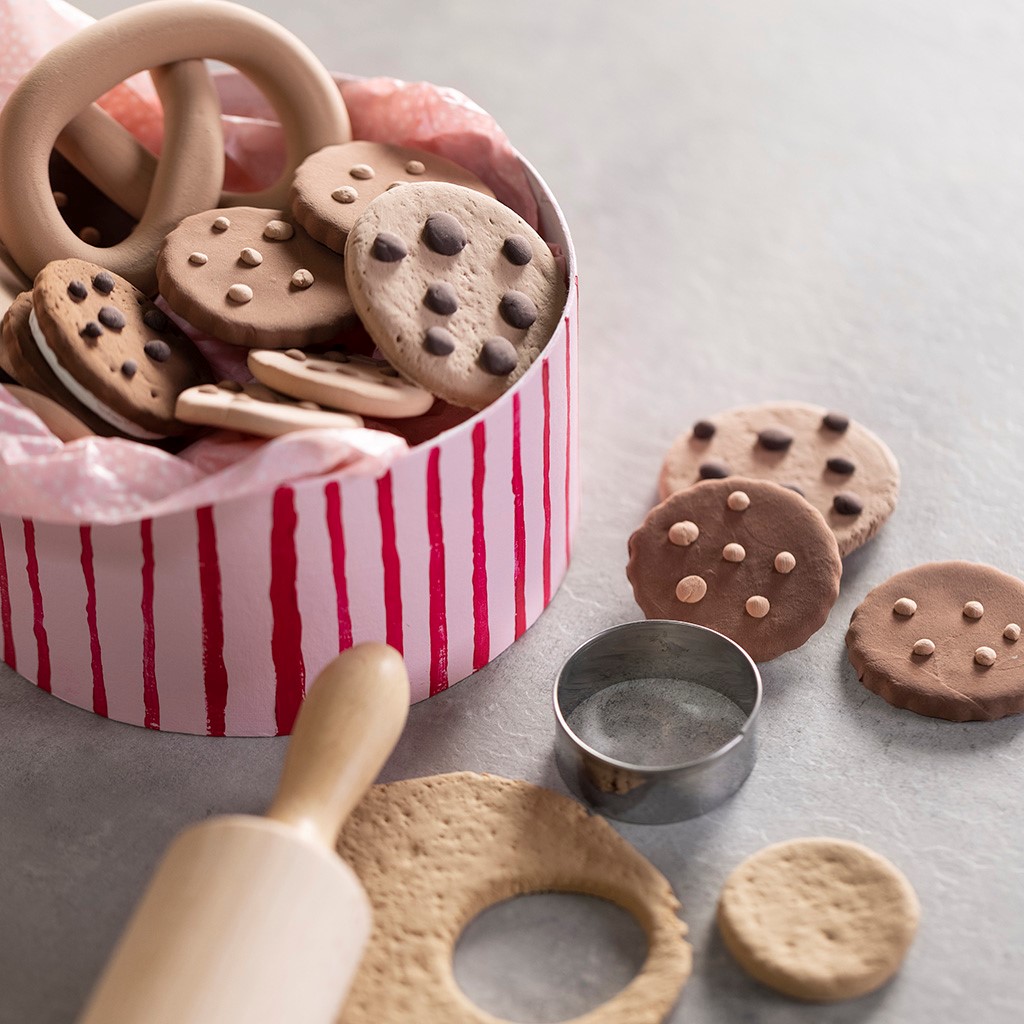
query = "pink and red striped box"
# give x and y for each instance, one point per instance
(211, 621)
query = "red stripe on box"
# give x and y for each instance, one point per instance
(568, 442)
(392, 566)
(519, 523)
(286, 636)
(438, 595)
(546, 382)
(5, 608)
(215, 675)
(99, 688)
(481, 623)
(38, 626)
(150, 697)
(336, 533)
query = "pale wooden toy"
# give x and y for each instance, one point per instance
(258, 919)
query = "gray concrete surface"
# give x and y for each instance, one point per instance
(770, 198)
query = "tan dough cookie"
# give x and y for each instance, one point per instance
(338, 380)
(333, 187)
(748, 558)
(845, 471)
(433, 853)
(943, 639)
(55, 417)
(255, 409)
(818, 919)
(251, 277)
(458, 292)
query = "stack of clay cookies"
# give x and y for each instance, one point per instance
(456, 292)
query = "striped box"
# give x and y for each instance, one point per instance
(211, 621)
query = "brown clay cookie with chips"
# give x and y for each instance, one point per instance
(252, 277)
(845, 471)
(748, 558)
(334, 186)
(255, 409)
(459, 293)
(944, 640)
(337, 380)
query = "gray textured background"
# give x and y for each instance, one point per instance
(770, 199)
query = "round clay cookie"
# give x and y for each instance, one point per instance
(818, 919)
(457, 290)
(845, 471)
(338, 380)
(943, 640)
(748, 558)
(433, 853)
(333, 187)
(251, 277)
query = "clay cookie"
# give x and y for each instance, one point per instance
(818, 919)
(458, 292)
(338, 380)
(943, 639)
(61, 423)
(251, 277)
(255, 409)
(841, 468)
(333, 187)
(748, 558)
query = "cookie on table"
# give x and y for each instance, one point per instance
(255, 409)
(944, 640)
(818, 919)
(334, 186)
(252, 277)
(845, 471)
(61, 423)
(459, 292)
(338, 380)
(748, 558)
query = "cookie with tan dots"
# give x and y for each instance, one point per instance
(818, 919)
(334, 186)
(748, 558)
(252, 277)
(943, 640)
(459, 293)
(847, 473)
(338, 380)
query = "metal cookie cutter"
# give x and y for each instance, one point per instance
(664, 653)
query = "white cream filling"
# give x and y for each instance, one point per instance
(86, 397)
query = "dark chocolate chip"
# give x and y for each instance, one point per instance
(444, 234)
(838, 464)
(714, 469)
(517, 250)
(499, 356)
(111, 317)
(157, 350)
(155, 320)
(846, 503)
(389, 248)
(835, 421)
(441, 298)
(77, 290)
(518, 310)
(439, 342)
(91, 330)
(796, 489)
(103, 283)
(775, 439)
(703, 430)
(129, 368)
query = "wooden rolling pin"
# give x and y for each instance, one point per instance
(257, 920)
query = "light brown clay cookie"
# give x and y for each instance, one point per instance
(252, 277)
(62, 424)
(338, 380)
(943, 639)
(333, 187)
(459, 292)
(818, 919)
(845, 471)
(255, 409)
(433, 853)
(748, 558)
